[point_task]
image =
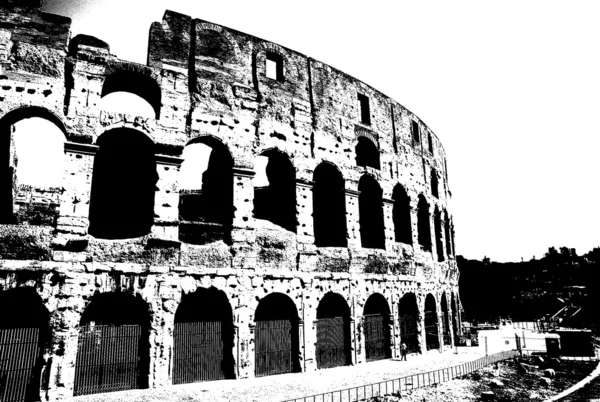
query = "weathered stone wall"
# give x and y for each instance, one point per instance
(212, 84)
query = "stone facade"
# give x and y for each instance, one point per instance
(210, 84)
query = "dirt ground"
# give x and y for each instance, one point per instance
(516, 380)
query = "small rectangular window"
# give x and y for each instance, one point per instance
(365, 113)
(274, 66)
(415, 131)
(430, 143)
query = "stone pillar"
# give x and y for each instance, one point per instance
(440, 315)
(354, 358)
(59, 370)
(432, 233)
(75, 201)
(360, 344)
(414, 220)
(161, 332)
(304, 212)
(421, 322)
(353, 219)
(450, 319)
(388, 223)
(242, 233)
(166, 199)
(245, 343)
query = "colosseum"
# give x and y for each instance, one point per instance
(269, 214)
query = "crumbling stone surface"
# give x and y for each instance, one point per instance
(211, 84)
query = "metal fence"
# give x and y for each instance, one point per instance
(596, 357)
(407, 383)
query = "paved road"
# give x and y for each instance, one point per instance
(286, 386)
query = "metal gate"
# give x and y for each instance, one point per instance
(331, 348)
(376, 339)
(273, 347)
(446, 329)
(431, 330)
(108, 359)
(197, 352)
(19, 363)
(409, 333)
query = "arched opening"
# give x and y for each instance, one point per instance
(376, 324)
(367, 153)
(401, 215)
(455, 324)
(447, 234)
(333, 332)
(203, 338)
(31, 166)
(370, 207)
(439, 244)
(275, 190)
(206, 192)
(276, 336)
(131, 92)
(329, 207)
(123, 185)
(434, 183)
(446, 321)
(113, 347)
(432, 339)
(408, 312)
(24, 336)
(423, 223)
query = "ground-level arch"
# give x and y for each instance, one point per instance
(333, 331)
(376, 325)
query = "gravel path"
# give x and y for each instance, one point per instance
(287, 386)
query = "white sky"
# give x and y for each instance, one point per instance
(511, 88)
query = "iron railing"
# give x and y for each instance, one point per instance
(407, 383)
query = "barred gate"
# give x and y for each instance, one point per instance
(431, 330)
(273, 347)
(376, 339)
(108, 359)
(197, 352)
(331, 348)
(20, 364)
(408, 332)
(446, 329)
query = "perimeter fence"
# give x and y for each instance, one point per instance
(407, 383)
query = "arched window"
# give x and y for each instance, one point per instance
(329, 207)
(275, 190)
(131, 92)
(123, 185)
(367, 153)
(401, 215)
(205, 192)
(32, 158)
(447, 233)
(439, 245)
(423, 223)
(434, 183)
(372, 233)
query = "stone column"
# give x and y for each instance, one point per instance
(304, 211)
(166, 199)
(422, 340)
(440, 316)
(414, 220)
(388, 223)
(301, 346)
(360, 344)
(432, 233)
(353, 219)
(75, 200)
(242, 234)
